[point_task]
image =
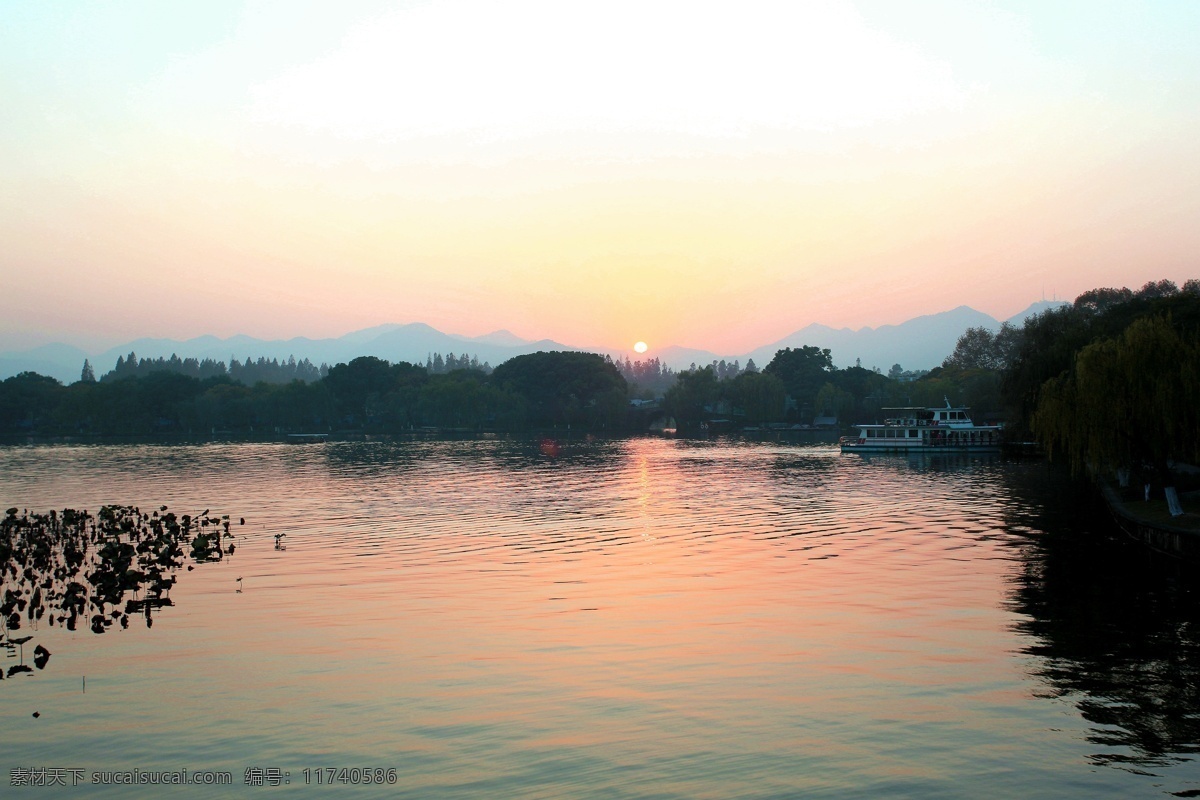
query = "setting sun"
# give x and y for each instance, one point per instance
(640, 347)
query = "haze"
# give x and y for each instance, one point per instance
(709, 175)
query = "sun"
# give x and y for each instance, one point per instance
(640, 347)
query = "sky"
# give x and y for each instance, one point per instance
(711, 175)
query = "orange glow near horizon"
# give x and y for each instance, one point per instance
(729, 179)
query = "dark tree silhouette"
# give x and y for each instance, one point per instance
(565, 388)
(803, 370)
(1127, 401)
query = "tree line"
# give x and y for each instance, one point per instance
(1029, 376)
(436, 364)
(543, 390)
(249, 372)
(262, 370)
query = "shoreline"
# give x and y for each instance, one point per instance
(1179, 537)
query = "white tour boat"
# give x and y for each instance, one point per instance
(924, 430)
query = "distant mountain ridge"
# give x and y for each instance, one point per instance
(920, 343)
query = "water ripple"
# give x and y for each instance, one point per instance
(636, 618)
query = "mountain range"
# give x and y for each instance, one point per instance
(919, 343)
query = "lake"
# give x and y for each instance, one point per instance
(629, 618)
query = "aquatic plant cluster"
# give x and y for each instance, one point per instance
(70, 566)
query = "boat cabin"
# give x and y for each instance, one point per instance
(916, 428)
(936, 417)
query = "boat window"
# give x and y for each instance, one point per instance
(912, 434)
(871, 433)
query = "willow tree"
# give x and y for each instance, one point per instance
(1131, 402)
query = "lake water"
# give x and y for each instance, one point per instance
(635, 618)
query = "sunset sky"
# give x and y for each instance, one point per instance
(713, 175)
